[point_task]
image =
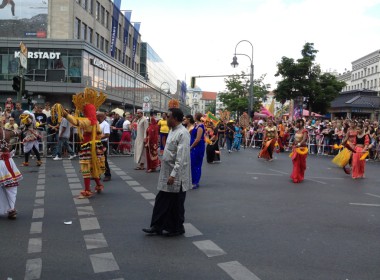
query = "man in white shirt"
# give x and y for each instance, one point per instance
(105, 128)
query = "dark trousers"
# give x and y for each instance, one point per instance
(107, 173)
(169, 211)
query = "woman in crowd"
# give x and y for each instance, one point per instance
(188, 122)
(270, 138)
(125, 141)
(212, 149)
(230, 134)
(349, 143)
(361, 147)
(299, 153)
(237, 137)
(197, 150)
(164, 131)
(151, 145)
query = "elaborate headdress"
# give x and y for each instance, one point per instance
(173, 103)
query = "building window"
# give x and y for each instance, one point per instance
(77, 28)
(371, 83)
(119, 31)
(107, 20)
(78, 1)
(102, 43)
(371, 70)
(97, 40)
(106, 46)
(90, 34)
(119, 55)
(376, 68)
(102, 15)
(97, 11)
(91, 7)
(84, 32)
(375, 85)
(85, 4)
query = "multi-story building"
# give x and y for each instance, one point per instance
(200, 101)
(77, 44)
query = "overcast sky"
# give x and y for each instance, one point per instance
(198, 37)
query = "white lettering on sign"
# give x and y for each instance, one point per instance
(43, 55)
(99, 63)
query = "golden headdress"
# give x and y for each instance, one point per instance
(89, 96)
(173, 103)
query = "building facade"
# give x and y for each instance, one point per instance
(73, 45)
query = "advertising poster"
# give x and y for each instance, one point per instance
(23, 18)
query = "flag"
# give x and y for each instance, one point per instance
(271, 107)
(211, 118)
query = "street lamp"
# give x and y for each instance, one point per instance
(168, 92)
(235, 64)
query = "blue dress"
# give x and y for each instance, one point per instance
(197, 154)
(237, 139)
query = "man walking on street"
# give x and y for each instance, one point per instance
(105, 129)
(63, 140)
(174, 180)
(140, 154)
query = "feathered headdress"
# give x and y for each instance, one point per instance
(173, 103)
(89, 96)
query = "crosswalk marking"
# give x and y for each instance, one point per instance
(103, 262)
(89, 224)
(38, 213)
(95, 241)
(237, 271)
(209, 248)
(148, 195)
(191, 230)
(33, 269)
(36, 227)
(35, 245)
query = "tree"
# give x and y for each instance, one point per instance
(303, 78)
(211, 107)
(235, 98)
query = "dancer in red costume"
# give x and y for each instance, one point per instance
(270, 138)
(361, 147)
(91, 155)
(299, 153)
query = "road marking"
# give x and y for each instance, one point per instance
(33, 269)
(103, 262)
(265, 174)
(40, 187)
(191, 230)
(70, 170)
(95, 241)
(75, 186)
(237, 271)
(365, 204)
(373, 195)
(148, 195)
(73, 180)
(152, 202)
(38, 213)
(126, 177)
(41, 181)
(40, 194)
(282, 172)
(327, 178)
(85, 210)
(139, 189)
(120, 173)
(209, 248)
(116, 169)
(36, 227)
(35, 245)
(41, 176)
(81, 201)
(320, 182)
(75, 193)
(133, 183)
(89, 224)
(39, 202)
(72, 175)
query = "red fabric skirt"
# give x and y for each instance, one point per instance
(125, 142)
(299, 167)
(267, 150)
(358, 166)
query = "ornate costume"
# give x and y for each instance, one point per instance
(31, 136)
(91, 155)
(358, 158)
(299, 155)
(269, 142)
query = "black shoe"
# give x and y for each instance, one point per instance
(175, 233)
(152, 230)
(107, 178)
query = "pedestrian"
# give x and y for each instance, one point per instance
(197, 150)
(299, 153)
(31, 136)
(212, 149)
(16, 113)
(151, 146)
(270, 138)
(230, 134)
(140, 153)
(105, 135)
(174, 180)
(164, 130)
(221, 133)
(188, 122)
(63, 140)
(9, 175)
(126, 140)
(361, 147)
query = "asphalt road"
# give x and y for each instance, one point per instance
(247, 221)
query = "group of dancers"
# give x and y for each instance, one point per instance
(351, 157)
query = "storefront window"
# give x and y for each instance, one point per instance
(74, 72)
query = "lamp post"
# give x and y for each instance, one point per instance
(235, 63)
(168, 92)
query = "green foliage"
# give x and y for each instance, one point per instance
(303, 78)
(211, 107)
(235, 98)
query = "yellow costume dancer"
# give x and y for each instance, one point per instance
(91, 155)
(270, 138)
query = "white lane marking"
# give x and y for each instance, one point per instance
(38, 213)
(209, 248)
(103, 262)
(42, 176)
(120, 173)
(148, 195)
(36, 227)
(75, 186)
(75, 193)
(139, 189)
(94, 241)
(73, 180)
(81, 201)
(116, 169)
(72, 175)
(320, 182)
(237, 271)
(152, 202)
(365, 204)
(133, 183)
(40, 194)
(70, 170)
(265, 174)
(282, 172)
(89, 224)
(40, 187)
(126, 177)
(191, 230)
(373, 195)
(327, 178)
(41, 181)
(39, 202)
(35, 245)
(85, 210)
(33, 269)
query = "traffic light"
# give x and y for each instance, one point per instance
(192, 84)
(16, 83)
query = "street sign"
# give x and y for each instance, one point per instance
(146, 107)
(23, 55)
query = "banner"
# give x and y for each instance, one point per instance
(127, 16)
(211, 118)
(135, 37)
(115, 25)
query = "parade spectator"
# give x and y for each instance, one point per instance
(140, 153)
(16, 113)
(63, 140)
(41, 118)
(47, 110)
(197, 150)
(164, 131)
(221, 134)
(126, 138)
(105, 134)
(151, 146)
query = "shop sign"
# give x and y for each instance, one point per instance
(99, 63)
(43, 55)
